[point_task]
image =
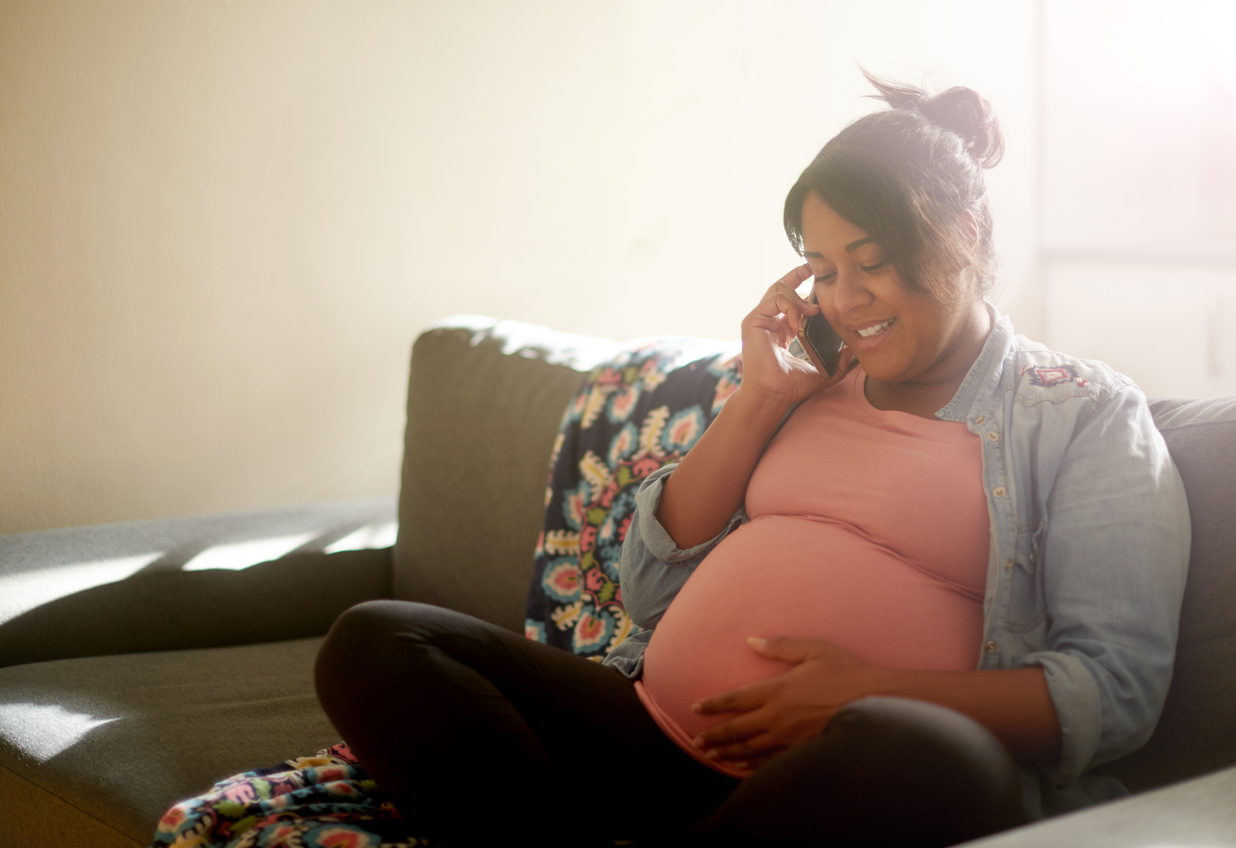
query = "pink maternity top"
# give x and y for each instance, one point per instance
(867, 528)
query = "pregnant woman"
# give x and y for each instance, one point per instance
(909, 603)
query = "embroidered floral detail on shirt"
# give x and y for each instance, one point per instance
(1046, 377)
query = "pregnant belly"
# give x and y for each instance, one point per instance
(786, 576)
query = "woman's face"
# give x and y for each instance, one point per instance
(898, 334)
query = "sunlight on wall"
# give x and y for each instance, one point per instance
(223, 224)
(1169, 343)
(1139, 190)
(59, 728)
(724, 104)
(1139, 129)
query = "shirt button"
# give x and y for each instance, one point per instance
(1032, 556)
(1008, 565)
(992, 435)
(980, 419)
(990, 647)
(999, 491)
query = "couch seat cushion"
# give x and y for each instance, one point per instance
(114, 741)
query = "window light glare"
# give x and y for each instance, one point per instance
(237, 556)
(59, 729)
(364, 538)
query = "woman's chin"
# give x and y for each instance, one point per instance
(880, 368)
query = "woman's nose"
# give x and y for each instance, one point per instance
(850, 292)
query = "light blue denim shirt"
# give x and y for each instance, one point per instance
(1089, 551)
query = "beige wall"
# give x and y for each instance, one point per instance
(223, 223)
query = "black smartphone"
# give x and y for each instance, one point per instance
(821, 342)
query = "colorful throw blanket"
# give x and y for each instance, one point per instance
(323, 801)
(644, 409)
(632, 415)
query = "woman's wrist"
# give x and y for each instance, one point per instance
(761, 411)
(1015, 704)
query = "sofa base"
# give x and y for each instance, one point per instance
(46, 819)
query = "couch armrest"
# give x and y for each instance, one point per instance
(196, 582)
(1196, 812)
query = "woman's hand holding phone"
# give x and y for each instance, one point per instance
(711, 481)
(768, 368)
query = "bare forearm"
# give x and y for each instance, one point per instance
(1014, 704)
(709, 485)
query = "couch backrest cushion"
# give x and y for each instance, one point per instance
(201, 581)
(642, 409)
(485, 399)
(1197, 732)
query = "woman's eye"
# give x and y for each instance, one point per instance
(871, 269)
(825, 278)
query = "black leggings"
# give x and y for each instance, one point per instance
(486, 738)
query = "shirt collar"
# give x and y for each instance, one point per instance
(984, 373)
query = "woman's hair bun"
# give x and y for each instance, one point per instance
(959, 110)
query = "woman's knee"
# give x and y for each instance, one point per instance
(907, 729)
(885, 771)
(924, 751)
(359, 641)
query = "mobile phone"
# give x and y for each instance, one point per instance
(821, 343)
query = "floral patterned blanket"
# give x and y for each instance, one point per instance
(643, 409)
(323, 801)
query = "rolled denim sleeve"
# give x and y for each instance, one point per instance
(652, 569)
(1115, 557)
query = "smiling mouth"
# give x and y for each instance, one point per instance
(876, 329)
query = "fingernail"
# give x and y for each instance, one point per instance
(697, 743)
(697, 707)
(712, 755)
(756, 641)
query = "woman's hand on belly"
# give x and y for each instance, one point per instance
(778, 712)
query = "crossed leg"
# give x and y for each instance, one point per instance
(485, 738)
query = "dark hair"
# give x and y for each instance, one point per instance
(906, 175)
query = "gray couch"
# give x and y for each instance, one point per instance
(141, 662)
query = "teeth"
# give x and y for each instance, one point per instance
(871, 331)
